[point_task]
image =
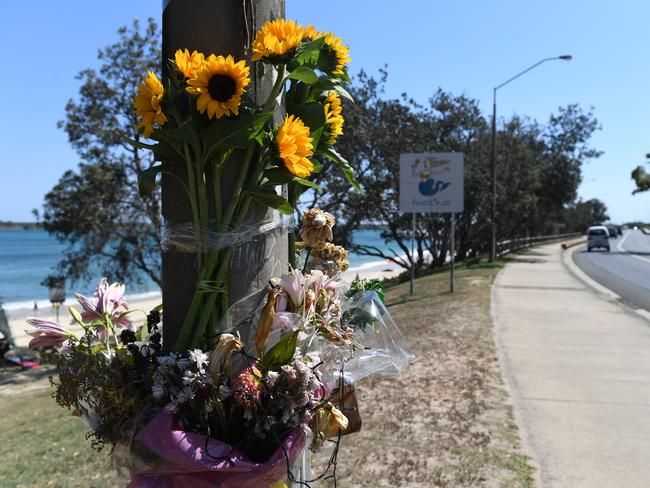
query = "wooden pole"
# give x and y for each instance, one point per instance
(220, 27)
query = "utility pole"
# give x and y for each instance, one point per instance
(219, 27)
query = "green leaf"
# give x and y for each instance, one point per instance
(316, 164)
(342, 92)
(147, 180)
(233, 133)
(162, 150)
(185, 133)
(277, 176)
(140, 145)
(305, 182)
(271, 199)
(304, 74)
(281, 353)
(307, 54)
(332, 155)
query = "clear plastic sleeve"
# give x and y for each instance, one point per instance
(384, 350)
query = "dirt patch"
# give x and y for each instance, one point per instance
(446, 422)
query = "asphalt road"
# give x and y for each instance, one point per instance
(625, 269)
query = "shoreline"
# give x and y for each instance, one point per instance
(148, 300)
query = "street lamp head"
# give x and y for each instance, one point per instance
(566, 57)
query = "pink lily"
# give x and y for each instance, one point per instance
(46, 333)
(294, 285)
(107, 299)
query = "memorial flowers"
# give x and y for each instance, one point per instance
(228, 406)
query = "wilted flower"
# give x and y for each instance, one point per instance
(293, 284)
(221, 353)
(171, 408)
(199, 358)
(316, 226)
(336, 254)
(265, 324)
(329, 420)
(246, 388)
(158, 390)
(46, 333)
(107, 300)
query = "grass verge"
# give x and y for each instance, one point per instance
(445, 422)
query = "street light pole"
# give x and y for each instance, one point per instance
(493, 153)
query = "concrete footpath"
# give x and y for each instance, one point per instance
(578, 367)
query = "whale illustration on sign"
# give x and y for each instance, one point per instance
(430, 187)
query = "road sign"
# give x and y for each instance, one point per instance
(431, 182)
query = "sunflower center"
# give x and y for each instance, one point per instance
(221, 87)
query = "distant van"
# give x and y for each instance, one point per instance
(597, 237)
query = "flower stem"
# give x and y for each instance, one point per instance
(205, 301)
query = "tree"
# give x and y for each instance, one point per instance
(641, 177)
(539, 170)
(96, 209)
(582, 214)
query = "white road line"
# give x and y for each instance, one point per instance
(619, 246)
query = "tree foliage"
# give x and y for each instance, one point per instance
(96, 208)
(641, 177)
(538, 167)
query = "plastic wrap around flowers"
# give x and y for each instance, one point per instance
(247, 385)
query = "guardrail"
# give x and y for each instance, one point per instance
(510, 245)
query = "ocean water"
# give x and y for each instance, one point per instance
(28, 256)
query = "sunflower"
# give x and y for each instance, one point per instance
(276, 38)
(147, 104)
(339, 51)
(295, 146)
(333, 117)
(187, 63)
(311, 34)
(219, 83)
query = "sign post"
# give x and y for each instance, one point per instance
(452, 252)
(413, 253)
(432, 182)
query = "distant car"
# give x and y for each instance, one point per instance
(613, 231)
(597, 237)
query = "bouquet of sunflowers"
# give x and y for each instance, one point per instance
(217, 408)
(202, 119)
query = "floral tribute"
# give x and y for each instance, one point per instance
(216, 408)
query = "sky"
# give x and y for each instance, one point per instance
(464, 47)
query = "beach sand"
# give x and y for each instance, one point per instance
(17, 317)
